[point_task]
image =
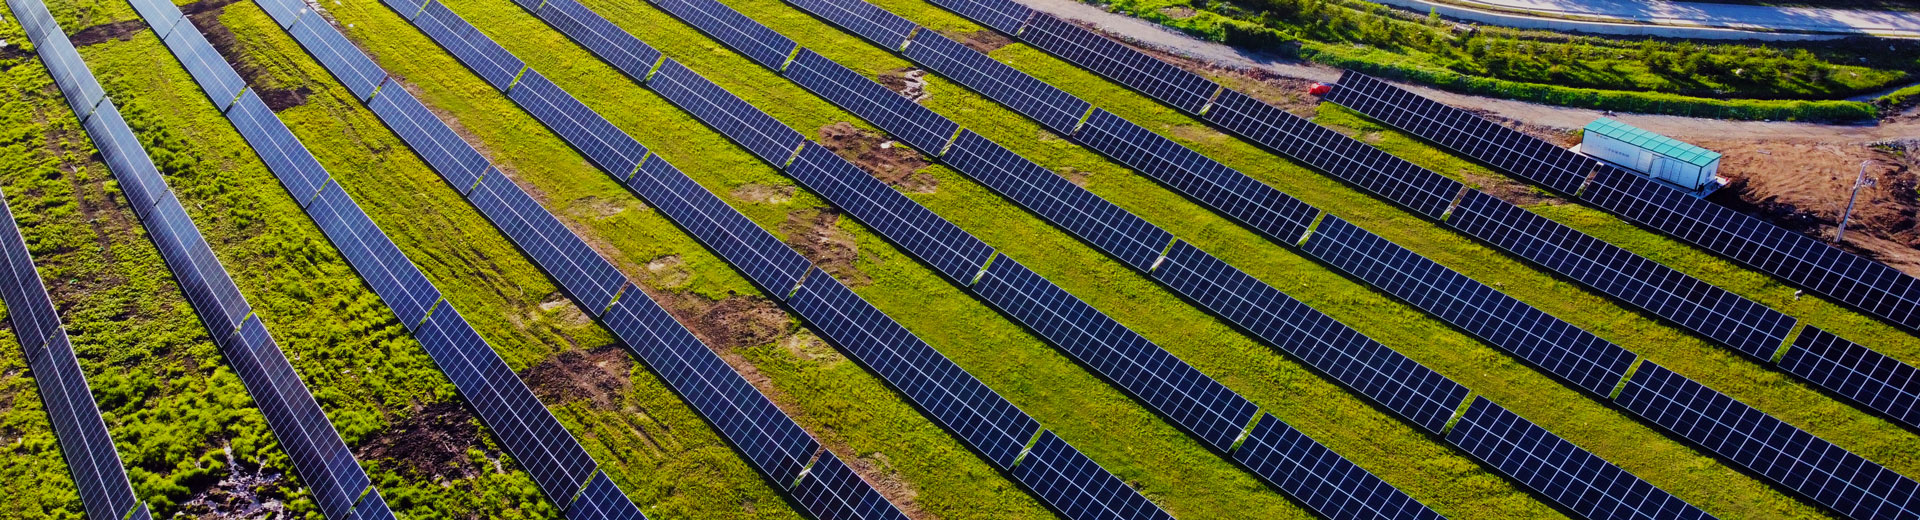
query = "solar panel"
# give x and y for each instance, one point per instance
(1095, 220)
(352, 67)
(602, 500)
(287, 12)
(768, 438)
(914, 124)
(374, 256)
(920, 232)
(1345, 158)
(1769, 447)
(1077, 487)
(1559, 470)
(77, 425)
(605, 144)
(740, 33)
(319, 457)
(209, 289)
(590, 278)
(954, 398)
(1502, 321)
(831, 490)
(602, 37)
(1516, 153)
(1409, 389)
(1052, 107)
(465, 42)
(859, 17)
(1321, 479)
(755, 130)
(372, 507)
(1120, 63)
(141, 514)
(63, 63)
(764, 259)
(1714, 313)
(1005, 16)
(28, 308)
(161, 15)
(454, 159)
(1802, 260)
(289, 160)
(1265, 209)
(205, 64)
(1169, 385)
(1874, 380)
(132, 170)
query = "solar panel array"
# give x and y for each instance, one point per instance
(1532, 159)
(402, 286)
(1112, 229)
(1345, 158)
(1563, 350)
(856, 16)
(597, 34)
(160, 15)
(591, 279)
(208, 68)
(286, 12)
(1265, 209)
(57, 54)
(290, 161)
(1161, 80)
(122, 152)
(925, 235)
(751, 39)
(1052, 107)
(603, 500)
(1004, 16)
(1874, 380)
(1321, 479)
(1076, 486)
(831, 487)
(1864, 284)
(1714, 313)
(1564, 473)
(758, 132)
(434, 142)
(597, 138)
(1769, 447)
(892, 112)
(353, 68)
(488, 59)
(91, 458)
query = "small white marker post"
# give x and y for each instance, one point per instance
(1857, 181)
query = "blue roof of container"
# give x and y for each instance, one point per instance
(1653, 142)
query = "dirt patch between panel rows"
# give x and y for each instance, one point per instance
(816, 235)
(431, 442)
(910, 82)
(887, 160)
(984, 40)
(121, 30)
(600, 376)
(205, 16)
(1804, 186)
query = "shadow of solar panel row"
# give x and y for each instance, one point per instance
(950, 250)
(1390, 379)
(402, 286)
(1077, 487)
(873, 23)
(270, 139)
(1265, 209)
(738, 32)
(768, 438)
(893, 113)
(1118, 62)
(121, 151)
(979, 416)
(758, 132)
(461, 39)
(318, 455)
(1345, 158)
(831, 491)
(1864, 284)
(204, 63)
(764, 259)
(160, 15)
(1571, 477)
(1108, 227)
(1052, 107)
(595, 137)
(1321, 479)
(598, 35)
(89, 452)
(1170, 386)
(1769, 447)
(353, 68)
(603, 500)
(1874, 380)
(455, 160)
(1562, 349)
(1748, 327)
(208, 288)
(1532, 159)
(586, 275)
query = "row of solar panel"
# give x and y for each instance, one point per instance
(318, 454)
(91, 458)
(1851, 279)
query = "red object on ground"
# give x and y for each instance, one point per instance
(1319, 89)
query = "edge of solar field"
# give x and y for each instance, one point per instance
(814, 477)
(817, 297)
(92, 459)
(320, 457)
(534, 438)
(1880, 479)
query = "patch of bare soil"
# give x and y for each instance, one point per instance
(245, 492)
(599, 208)
(563, 309)
(984, 40)
(665, 271)
(910, 82)
(764, 194)
(106, 32)
(816, 234)
(205, 16)
(1804, 186)
(733, 322)
(600, 376)
(1178, 12)
(1076, 176)
(887, 160)
(879, 471)
(431, 442)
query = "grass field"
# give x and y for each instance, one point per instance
(370, 377)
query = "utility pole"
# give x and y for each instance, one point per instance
(1857, 181)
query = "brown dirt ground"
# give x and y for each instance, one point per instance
(1804, 186)
(984, 40)
(666, 271)
(105, 32)
(910, 82)
(205, 16)
(887, 160)
(731, 323)
(764, 194)
(816, 235)
(600, 376)
(432, 442)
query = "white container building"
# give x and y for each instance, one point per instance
(1689, 167)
